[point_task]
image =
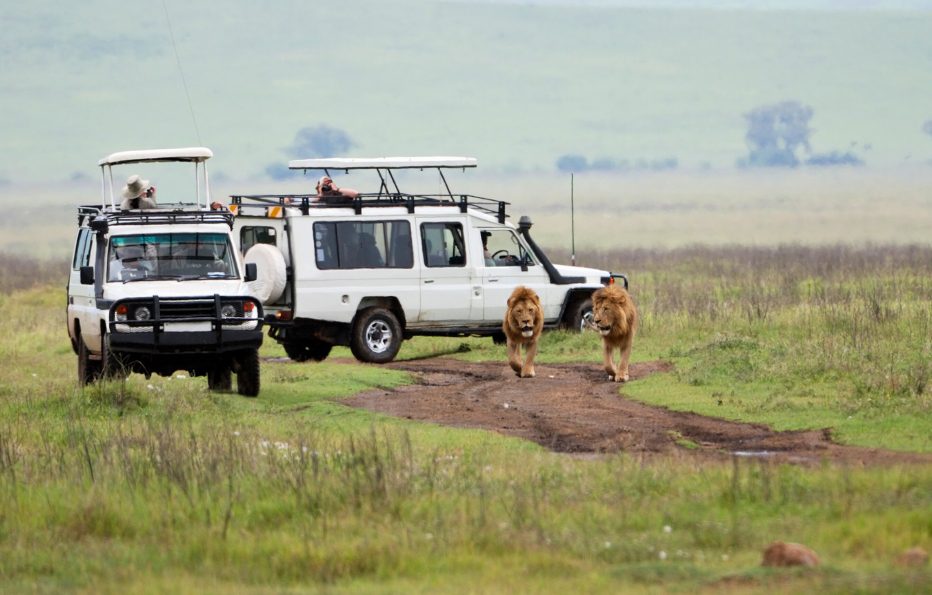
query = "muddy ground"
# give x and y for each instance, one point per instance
(572, 408)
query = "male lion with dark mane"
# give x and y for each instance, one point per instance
(616, 319)
(523, 324)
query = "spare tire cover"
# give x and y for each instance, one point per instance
(270, 273)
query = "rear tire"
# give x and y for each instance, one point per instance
(220, 377)
(247, 373)
(313, 349)
(579, 317)
(376, 336)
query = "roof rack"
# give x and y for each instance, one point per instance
(153, 216)
(308, 202)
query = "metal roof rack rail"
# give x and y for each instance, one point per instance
(308, 202)
(154, 216)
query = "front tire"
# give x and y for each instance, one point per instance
(220, 377)
(376, 336)
(88, 370)
(247, 373)
(302, 351)
(111, 365)
(579, 317)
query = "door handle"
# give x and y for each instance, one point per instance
(428, 280)
(493, 280)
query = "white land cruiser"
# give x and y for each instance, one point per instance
(163, 289)
(373, 270)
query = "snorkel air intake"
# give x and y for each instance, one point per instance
(524, 228)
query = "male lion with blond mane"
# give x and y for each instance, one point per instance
(616, 319)
(523, 324)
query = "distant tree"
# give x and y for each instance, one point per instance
(927, 127)
(663, 164)
(603, 164)
(320, 141)
(834, 158)
(572, 163)
(775, 133)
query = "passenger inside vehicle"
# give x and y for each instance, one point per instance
(369, 255)
(127, 262)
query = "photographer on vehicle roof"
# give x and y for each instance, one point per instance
(138, 194)
(329, 192)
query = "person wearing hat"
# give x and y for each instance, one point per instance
(138, 194)
(327, 191)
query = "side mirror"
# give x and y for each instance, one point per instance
(251, 273)
(87, 275)
(524, 262)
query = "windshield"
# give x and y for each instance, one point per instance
(170, 256)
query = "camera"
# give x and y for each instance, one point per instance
(326, 187)
(150, 191)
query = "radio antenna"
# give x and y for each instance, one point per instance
(184, 83)
(572, 223)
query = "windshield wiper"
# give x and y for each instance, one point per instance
(152, 278)
(206, 276)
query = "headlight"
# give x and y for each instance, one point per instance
(121, 312)
(228, 311)
(142, 313)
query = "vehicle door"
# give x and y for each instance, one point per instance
(447, 279)
(82, 299)
(508, 263)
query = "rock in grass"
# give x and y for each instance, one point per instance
(780, 553)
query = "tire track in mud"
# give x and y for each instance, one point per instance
(573, 408)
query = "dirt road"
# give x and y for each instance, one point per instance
(572, 408)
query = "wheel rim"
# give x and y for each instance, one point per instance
(585, 321)
(378, 336)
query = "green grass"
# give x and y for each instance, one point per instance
(159, 485)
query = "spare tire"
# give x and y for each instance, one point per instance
(271, 275)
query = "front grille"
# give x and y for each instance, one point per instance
(193, 309)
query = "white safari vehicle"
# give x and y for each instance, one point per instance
(162, 289)
(384, 266)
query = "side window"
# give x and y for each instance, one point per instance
(442, 244)
(363, 245)
(250, 236)
(82, 249)
(502, 248)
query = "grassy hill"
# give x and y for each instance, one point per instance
(515, 85)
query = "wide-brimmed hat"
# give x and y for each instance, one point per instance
(135, 186)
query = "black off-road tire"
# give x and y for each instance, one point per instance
(88, 369)
(376, 336)
(311, 350)
(578, 316)
(247, 373)
(111, 365)
(220, 377)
